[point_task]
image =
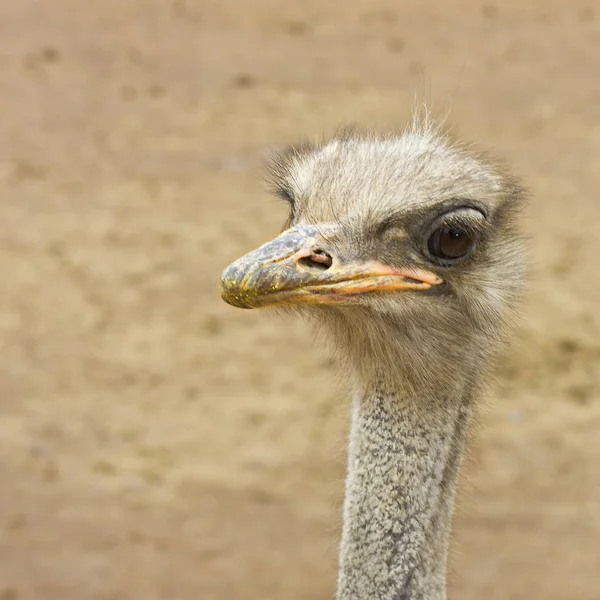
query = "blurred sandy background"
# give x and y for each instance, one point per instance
(158, 444)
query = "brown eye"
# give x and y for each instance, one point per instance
(449, 243)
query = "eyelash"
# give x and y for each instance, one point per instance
(455, 220)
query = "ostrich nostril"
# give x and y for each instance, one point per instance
(319, 260)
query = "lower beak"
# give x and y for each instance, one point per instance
(292, 268)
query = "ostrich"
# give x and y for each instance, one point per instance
(405, 251)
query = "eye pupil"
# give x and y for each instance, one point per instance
(449, 243)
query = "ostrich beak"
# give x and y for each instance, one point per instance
(293, 268)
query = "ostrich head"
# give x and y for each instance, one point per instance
(404, 247)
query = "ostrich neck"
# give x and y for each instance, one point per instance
(404, 458)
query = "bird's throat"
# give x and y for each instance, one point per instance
(403, 464)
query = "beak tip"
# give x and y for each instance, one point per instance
(232, 291)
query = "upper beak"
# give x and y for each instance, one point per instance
(293, 268)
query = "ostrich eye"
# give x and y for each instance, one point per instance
(450, 243)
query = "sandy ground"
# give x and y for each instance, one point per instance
(158, 444)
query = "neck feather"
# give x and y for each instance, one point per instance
(404, 457)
